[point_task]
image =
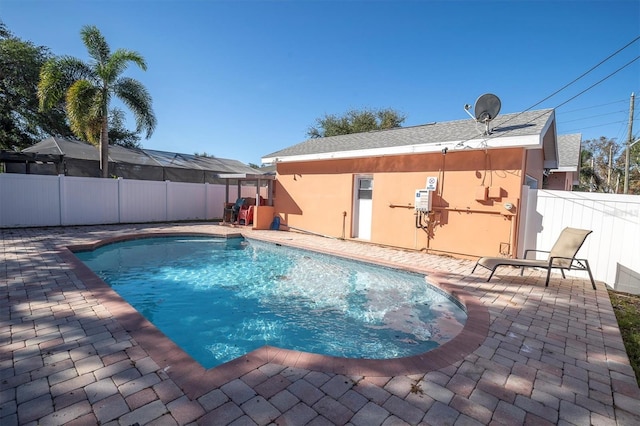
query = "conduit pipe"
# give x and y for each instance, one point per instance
(454, 209)
(344, 220)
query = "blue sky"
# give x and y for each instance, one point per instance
(242, 79)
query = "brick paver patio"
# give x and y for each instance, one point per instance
(73, 352)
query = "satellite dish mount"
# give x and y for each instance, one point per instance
(486, 109)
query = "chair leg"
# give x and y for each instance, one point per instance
(546, 284)
(593, 283)
(474, 268)
(491, 274)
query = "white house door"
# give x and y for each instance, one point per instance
(363, 207)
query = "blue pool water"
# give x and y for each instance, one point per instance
(219, 299)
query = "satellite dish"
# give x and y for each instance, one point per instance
(487, 108)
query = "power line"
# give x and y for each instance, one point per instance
(593, 116)
(578, 78)
(563, 103)
(600, 81)
(597, 125)
(597, 106)
(461, 143)
(585, 73)
(618, 135)
(571, 98)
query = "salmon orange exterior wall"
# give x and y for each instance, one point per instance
(469, 206)
(561, 181)
(262, 217)
(535, 165)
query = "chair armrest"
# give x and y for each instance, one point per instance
(569, 259)
(526, 252)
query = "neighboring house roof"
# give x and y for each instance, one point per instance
(568, 153)
(144, 157)
(525, 129)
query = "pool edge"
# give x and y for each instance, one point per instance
(195, 380)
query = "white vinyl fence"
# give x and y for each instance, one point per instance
(38, 200)
(612, 249)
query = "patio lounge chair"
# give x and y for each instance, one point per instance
(562, 256)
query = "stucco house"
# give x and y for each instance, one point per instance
(366, 186)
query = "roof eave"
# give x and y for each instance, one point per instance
(527, 142)
(549, 144)
(564, 169)
(246, 176)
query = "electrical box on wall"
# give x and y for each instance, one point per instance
(423, 200)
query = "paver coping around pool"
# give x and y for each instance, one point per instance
(195, 380)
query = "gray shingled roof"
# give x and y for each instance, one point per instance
(518, 124)
(569, 151)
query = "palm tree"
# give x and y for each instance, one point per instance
(87, 89)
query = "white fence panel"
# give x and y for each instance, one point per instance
(88, 201)
(215, 201)
(186, 201)
(613, 249)
(38, 200)
(142, 201)
(27, 199)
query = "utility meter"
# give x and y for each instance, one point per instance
(423, 200)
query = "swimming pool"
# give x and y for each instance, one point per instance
(219, 299)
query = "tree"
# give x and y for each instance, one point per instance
(634, 167)
(21, 122)
(355, 121)
(118, 134)
(589, 179)
(602, 167)
(88, 87)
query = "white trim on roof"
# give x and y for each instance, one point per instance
(564, 169)
(528, 142)
(247, 176)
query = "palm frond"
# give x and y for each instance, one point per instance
(84, 117)
(57, 75)
(118, 63)
(75, 69)
(96, 44)
(50, 86)
(135, 96)
(121, 58)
